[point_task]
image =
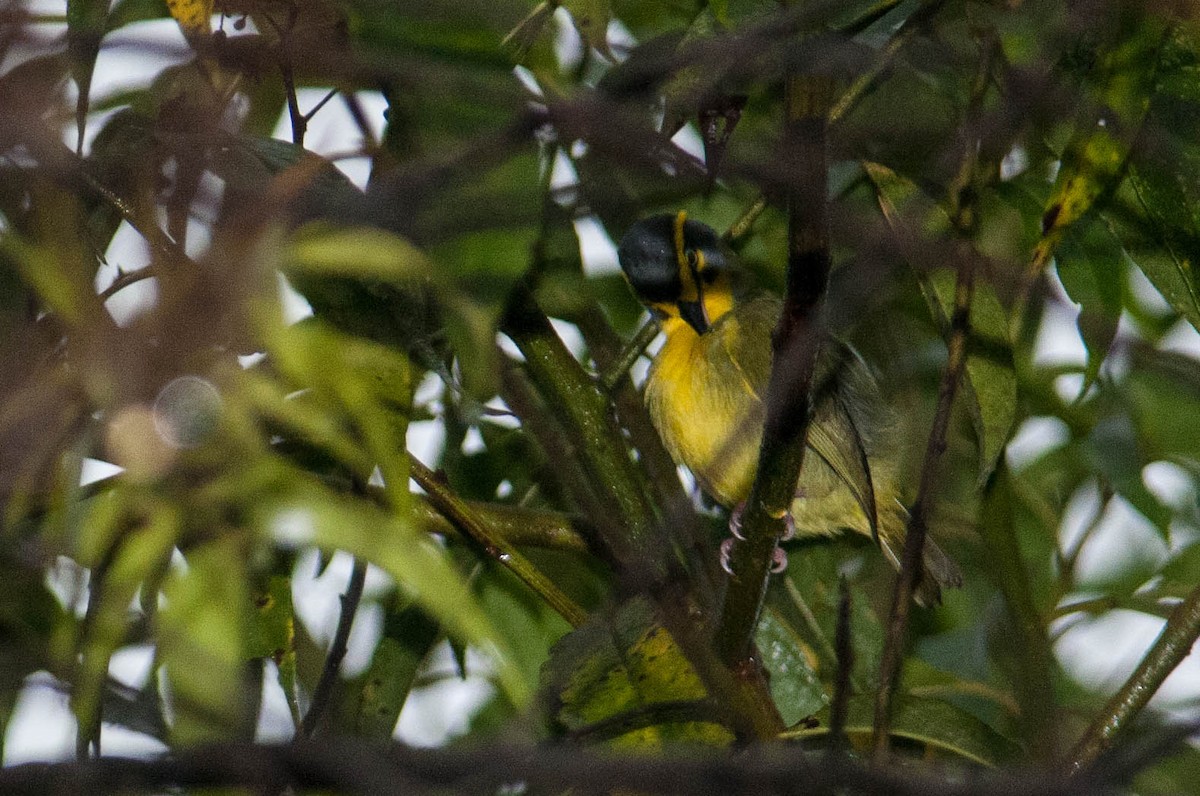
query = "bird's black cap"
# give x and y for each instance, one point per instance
(648, 257)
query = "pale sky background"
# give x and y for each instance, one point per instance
(1103, 650)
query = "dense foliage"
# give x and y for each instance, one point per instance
(983, 170)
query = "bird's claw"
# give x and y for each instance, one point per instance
(726, 551)
(735, 522)
(779, 560)
(789, 528)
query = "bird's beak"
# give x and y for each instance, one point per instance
(693, 312)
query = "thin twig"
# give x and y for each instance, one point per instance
(845, 666)
(525, 527)
(162, 243)
(741, 227)
(127, 278)
(313, 111)
(337, 649)
(630, 529)
(911, 567)
(1168, 651)
(914, 542)
(887, 55)
(826, 652)
(612, 375)
(1070, 557)
(456, 510)
(355, 109)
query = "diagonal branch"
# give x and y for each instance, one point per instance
(961, 216)
(460, 514)
(1169, 649)
(914, 542)
(337, 649)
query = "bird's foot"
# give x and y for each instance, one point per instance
(779, 559)
(789, 528)
(735, 524)
(735, 521)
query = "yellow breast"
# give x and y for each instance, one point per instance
(708, 414)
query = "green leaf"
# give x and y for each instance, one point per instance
(1113, 447)
(991, 379)
(1170, 197)
(142, 551)
(1091, 265)
(86, 23)
(614, 670)
(371, 384)
(377, 698)
(203, 633)
(273, 635)
(355, 252)
(311, 514)
(795, 687)
(935, 724)
(809, 605)
(1094, 160)
(1181, 574)
(591, 18)
(126, 12)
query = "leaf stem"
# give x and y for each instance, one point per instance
(616, 370)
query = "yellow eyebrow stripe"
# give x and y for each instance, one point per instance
(689, 290)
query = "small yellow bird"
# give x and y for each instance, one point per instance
(707, 383)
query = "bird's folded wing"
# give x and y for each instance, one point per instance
(833, 435)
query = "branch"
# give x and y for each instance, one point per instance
(1168, 650)
(887, 55)
(845, 666)
(794, 346)
(456, 510)
(612, 374)
(337, 649)
(662, 476)
(562, 471)
(961, 215)
(630, 531)
(359, 766)
(914, 541)
(629, 528)
(550, 530)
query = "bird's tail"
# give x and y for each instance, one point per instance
(938, 570)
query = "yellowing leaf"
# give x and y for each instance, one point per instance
(193, 16)
(627, 675)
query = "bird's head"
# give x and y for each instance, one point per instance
(677, 268)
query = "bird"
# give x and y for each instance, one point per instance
(706, 387)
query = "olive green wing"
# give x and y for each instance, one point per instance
(834, 434)
(745, 337)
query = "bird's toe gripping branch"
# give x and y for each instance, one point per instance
(779, 559)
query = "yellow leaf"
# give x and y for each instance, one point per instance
(194, 16)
